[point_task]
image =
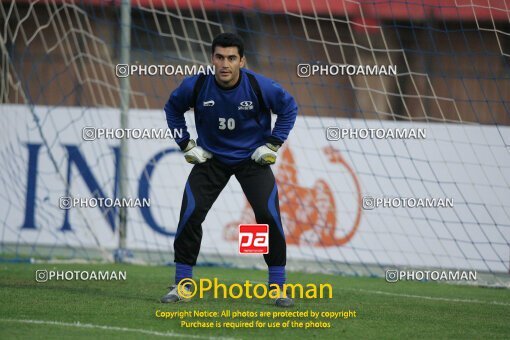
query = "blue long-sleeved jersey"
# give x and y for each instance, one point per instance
(230, 123)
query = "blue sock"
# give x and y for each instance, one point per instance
(276, 275)
(183, 271)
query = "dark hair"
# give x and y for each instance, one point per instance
(228, 40)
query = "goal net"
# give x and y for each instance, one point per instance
(400, 156)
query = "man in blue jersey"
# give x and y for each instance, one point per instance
(233, 121)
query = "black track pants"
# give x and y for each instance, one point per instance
(205, 183)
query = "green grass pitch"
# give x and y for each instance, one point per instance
(126, 309)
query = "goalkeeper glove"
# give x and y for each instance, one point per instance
(265, 154)
(195, 154)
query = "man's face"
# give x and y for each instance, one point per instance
(227, 63)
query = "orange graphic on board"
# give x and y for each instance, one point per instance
(309, 215)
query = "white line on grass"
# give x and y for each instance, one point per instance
(380, 292)
(424, 297)
(111, 328)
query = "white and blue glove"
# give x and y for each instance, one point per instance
(265, 154)
(195, 154)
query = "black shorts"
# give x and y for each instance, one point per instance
(205, 183)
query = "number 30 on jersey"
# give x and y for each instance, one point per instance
(227, 123)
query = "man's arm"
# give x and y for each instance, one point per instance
(285, 107)
(178, 103)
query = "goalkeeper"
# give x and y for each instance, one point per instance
(233, 123)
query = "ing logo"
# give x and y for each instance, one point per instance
(309, 214)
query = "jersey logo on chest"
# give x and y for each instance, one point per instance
(209, 103)
(245, 105)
